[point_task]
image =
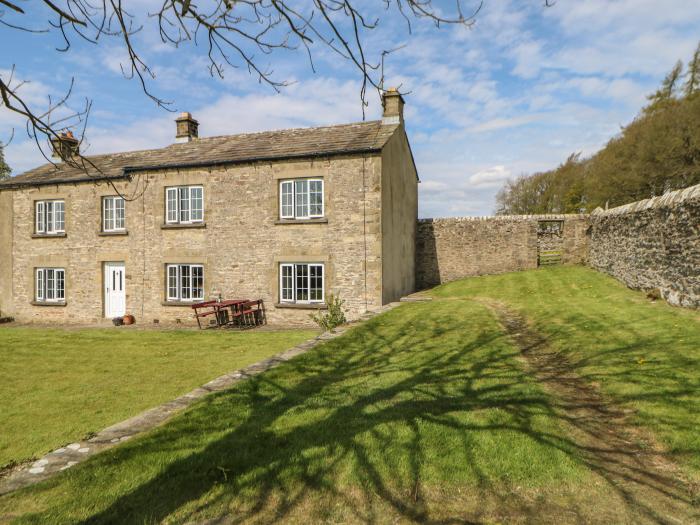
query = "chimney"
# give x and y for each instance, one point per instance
(65, 146)
(392, 101)
(187, 128)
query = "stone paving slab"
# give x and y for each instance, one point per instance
(65, 457)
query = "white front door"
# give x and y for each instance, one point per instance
(115, 290)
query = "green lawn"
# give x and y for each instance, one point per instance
(60, 385)
(424, 414)
(645, 355)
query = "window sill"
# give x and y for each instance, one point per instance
(177, 226)
(320, 220)
(180, 303)
(48, 235)
(45, 303)
(113, 234)
(303, 306)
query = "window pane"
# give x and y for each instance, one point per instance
(197, 203)
(40, 226)
(287, 199)
(301, 189)
(316, 198)
(39, 284)
(315, 282)
(185, 282)
(59, 216)
(49, 217)
(50, 284)
(119, 213)
(287, 283)
(60, 284)
(184, 204)
(171, 204)
(197, 282)
(302, 279)
(108, 213)
(172, 282)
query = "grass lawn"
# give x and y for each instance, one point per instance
(424, 414)
(644, 355)
(60, 385)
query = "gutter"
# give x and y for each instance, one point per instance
(53, 182)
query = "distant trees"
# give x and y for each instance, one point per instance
(692, 84)
(657, 152)
(4, 168)
(668, 89)
(555, 191)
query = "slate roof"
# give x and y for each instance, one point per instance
(363, 137)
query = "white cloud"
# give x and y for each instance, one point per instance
(433, 186)
(502, 123)
(528, 59)
(32, 92)
(490, 177)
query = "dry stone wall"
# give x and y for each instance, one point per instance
(652, 244)
(449, 249)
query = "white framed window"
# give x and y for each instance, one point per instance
(50, 285)
(287, 199)
(301, 199)
(184, 204)
(50, 217)
(113, 214)
(302, 283)
(185, 282)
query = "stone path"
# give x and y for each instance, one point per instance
(65, 457)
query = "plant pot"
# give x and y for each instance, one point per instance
(117, 321)
(128, 319)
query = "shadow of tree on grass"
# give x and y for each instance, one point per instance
(423, 414)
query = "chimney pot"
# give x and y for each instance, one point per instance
(187, 128)
(393, 103)
(65, 146)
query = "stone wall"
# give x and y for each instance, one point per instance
(652, 244)
(449, 249)
(6, 221)
(399, 218)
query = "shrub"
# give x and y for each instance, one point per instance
(333, 317)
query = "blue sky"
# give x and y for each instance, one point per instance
(516, 93)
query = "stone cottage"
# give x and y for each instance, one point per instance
(288, 216)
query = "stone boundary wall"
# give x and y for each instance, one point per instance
(652, 244)
(453, 248)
